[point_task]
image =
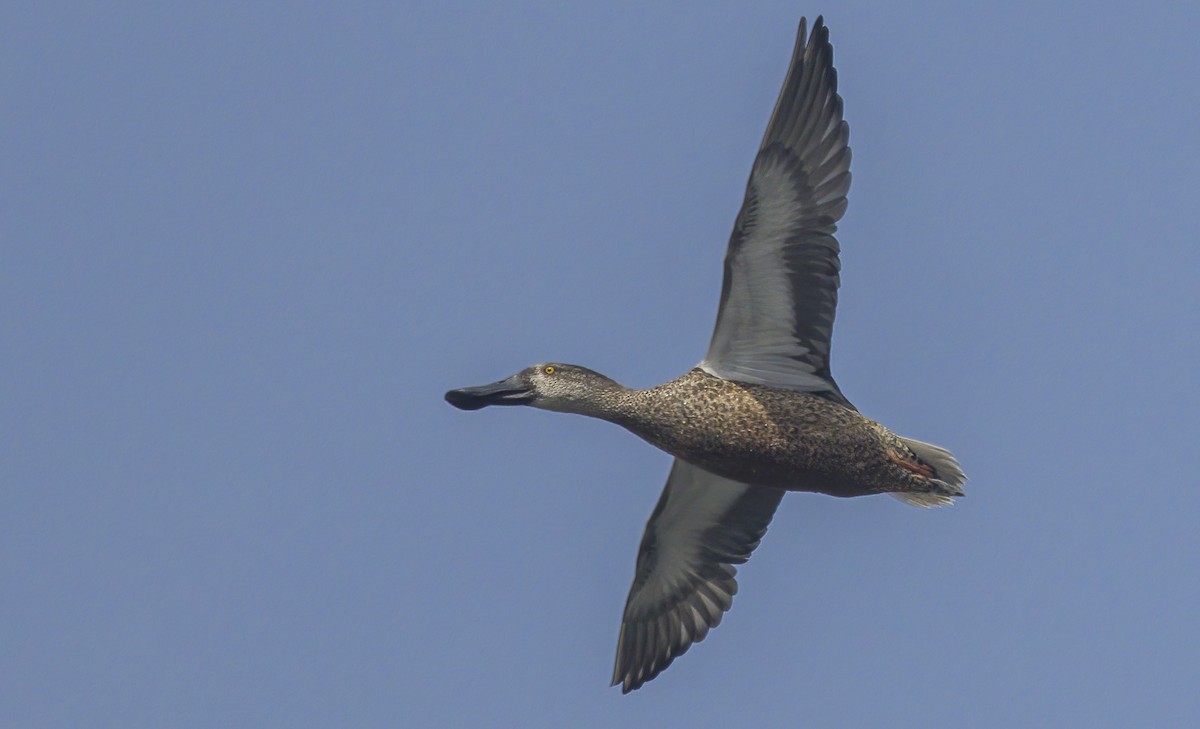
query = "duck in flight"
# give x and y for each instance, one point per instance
(761, 414)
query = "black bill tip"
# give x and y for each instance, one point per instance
(465, 400)
(512, 391)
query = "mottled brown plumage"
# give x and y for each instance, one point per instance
(767, 436)
(760, 435)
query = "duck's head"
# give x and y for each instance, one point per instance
(550, 386)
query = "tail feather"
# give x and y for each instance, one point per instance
(928, 500)
(948, 475)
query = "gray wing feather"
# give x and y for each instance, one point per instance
(779, 295)
(702, 526)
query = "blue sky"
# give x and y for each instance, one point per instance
(247, 247)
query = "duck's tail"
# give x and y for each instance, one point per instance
(948, 476)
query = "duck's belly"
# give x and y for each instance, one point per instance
(768, 437)
(829, 459)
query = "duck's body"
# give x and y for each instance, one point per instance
(770, 437)
(761, 414)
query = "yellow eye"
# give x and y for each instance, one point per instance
(549, 369)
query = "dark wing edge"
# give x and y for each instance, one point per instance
(702, 525)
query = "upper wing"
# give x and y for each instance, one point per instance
(702, 526)
(781, 270)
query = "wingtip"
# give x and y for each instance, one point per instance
(628, 683)
(820, 31)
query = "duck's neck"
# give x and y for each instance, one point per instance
(632, 409)
(607, 400)
(660, 415)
